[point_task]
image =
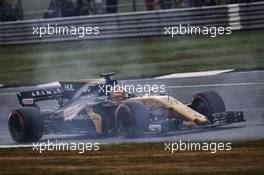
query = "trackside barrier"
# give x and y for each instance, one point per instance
(138, 24)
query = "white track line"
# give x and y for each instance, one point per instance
(48, 85)
(215, 85)
(195, 74)
(15, 146)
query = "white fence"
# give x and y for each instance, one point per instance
(138, 24)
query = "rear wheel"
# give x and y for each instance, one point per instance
(208, 103)
(26, 124)
(132, 118)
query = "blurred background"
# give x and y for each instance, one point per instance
(131, 42)
(36, 9)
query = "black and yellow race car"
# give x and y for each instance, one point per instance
(83, 106)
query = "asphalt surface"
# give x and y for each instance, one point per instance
(242, 91)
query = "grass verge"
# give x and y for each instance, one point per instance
(130, 57)
(245, 158)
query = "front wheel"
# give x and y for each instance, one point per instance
(208, 103)
(132, 118)
(26, 125)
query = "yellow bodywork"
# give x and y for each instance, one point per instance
(96, 118)
(186, 113)
(170, 103)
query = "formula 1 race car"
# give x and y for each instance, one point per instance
(83, 106)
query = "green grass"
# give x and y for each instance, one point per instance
(245, 158)
(130, 57)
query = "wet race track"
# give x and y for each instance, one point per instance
(241, 91)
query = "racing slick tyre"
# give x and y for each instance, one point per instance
(132, 118)
(208, 103)
(26, 124)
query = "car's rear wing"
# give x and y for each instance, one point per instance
(28, 98)
(65, 90)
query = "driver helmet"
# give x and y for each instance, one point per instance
(117, 91)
